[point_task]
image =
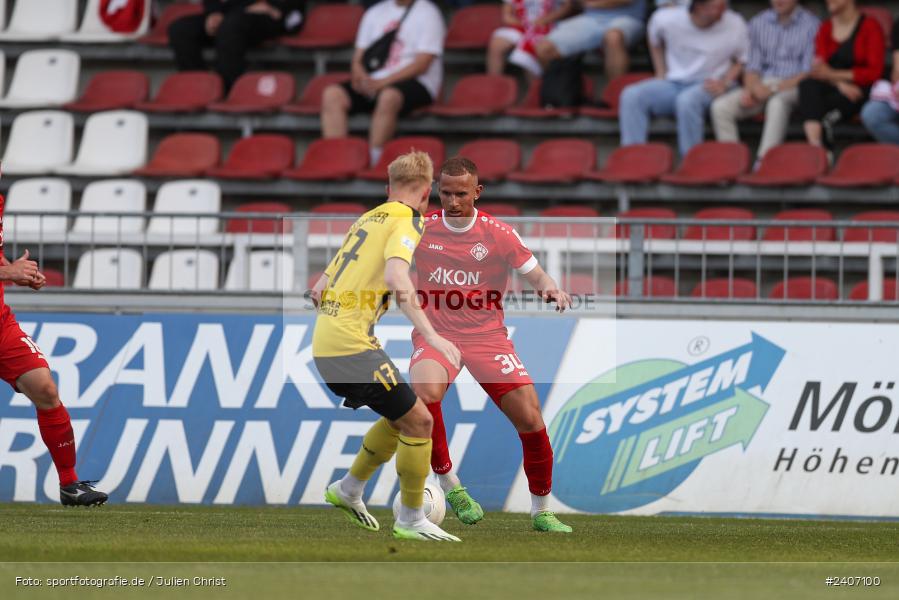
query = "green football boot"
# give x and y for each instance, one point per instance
(547, 521)
(355, 511)
(422, 531)
(468, 511)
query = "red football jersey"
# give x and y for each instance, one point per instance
(463, 272)
(2, 206)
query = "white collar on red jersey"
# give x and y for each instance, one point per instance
(474, 220)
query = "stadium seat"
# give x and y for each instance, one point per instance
(332, 226)
(610, 98)
(40, 20)
(331, 159)
(725, 287)
(431, 145)
(571, 212)
(310, 100)
(40, 195)
(252, 225)
(494, 158)
(188, 91)
(499, 209)
(111, 196)
(159, 35)
(656, 286)
(562, 160)
(193, 196)
(651, 232)
(805, 288)
(39, 142)
(874, 234)
(189, 269)
(580, 283)
(530, 106)
(470, 28)
(54, 278)
(801, 234)
(43, 78)
(109, 268)
(265, 271)
(864, 165)
(328, 26)
(262, 156)
(711, 163)
(890, 287)
(883, 16)
(112, 143)
(94, 31)
(478, 96)
(722, 232)
(640, 163)
(258, 92)
(183, 155)
(112, 90)
(790, 164)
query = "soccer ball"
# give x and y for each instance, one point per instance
(434, 503)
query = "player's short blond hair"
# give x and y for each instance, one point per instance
(413, 168)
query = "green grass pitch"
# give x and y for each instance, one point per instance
(304, 552)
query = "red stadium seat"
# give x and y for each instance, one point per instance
(580, 283)
(640, 163)
(332, 226)
(530, 107)
(864, 165)
(471, 27)
(874, 234)
(54, 278)
(495, 159)
(711, 163)
(652, 232)
(310, 101)
(499, 209)
(331, 160)
(328, 26)
(658, 286)
(183, 155)
(791, 164)
(806, 288)
(159, 35)
(431, 145)
(883, 16)
(258, 92)
(722, 232)
(478, 96)
(571, 212)
(801, 234)
(262, 156)
(724, 287)
(611, 96)
(261, 225)
(112, 90)
(890, 287)
(562, 160)
(188, 91)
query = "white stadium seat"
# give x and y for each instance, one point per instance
(39, 20)
(40, 141)
(110, 268)
(265, 270)
(2, 15)
(93, 30)
(185, 270)
(112, 196)
(113, 143)
(186, 196)
(2, 68)
(43, 78)
(40, 195)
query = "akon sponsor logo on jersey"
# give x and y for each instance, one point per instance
(454, 277)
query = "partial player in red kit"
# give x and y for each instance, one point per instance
(23, 366)
(463, 264)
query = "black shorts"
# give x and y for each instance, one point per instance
(368, 379)
(415, 96)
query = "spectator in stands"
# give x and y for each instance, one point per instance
(615, 25)
(232, 27)
(526, 22)
(849, 58)
(697, 53)
(781, 47)
(410, 79)
(881, 114)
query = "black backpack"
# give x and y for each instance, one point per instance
(562, 84)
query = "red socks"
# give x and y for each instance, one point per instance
(440, 458)
(538, 461)
(56, 431)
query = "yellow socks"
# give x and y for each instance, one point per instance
(378, 445)
(413, 463)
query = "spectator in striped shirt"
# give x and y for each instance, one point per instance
(781, 47)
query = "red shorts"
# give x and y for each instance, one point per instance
(491, 360)
(18, 352)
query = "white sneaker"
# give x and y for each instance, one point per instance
(422, 530)
(353, 508)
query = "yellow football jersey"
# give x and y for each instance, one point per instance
(356, 295)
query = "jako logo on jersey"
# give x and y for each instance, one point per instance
(479, 251)
(621, 444)
(435, 247)
(453, 276)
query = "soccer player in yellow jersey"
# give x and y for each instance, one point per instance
(351, 296)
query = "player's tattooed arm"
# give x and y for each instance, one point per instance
(547, 288)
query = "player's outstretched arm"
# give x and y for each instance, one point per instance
(547, 288)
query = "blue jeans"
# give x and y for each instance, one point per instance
(881, 121)
(686, 101)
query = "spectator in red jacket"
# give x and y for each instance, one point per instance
(849, 58)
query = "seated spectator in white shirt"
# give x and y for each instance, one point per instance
(525, 23)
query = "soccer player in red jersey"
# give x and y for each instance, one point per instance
(23, 366)
(463, 264)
